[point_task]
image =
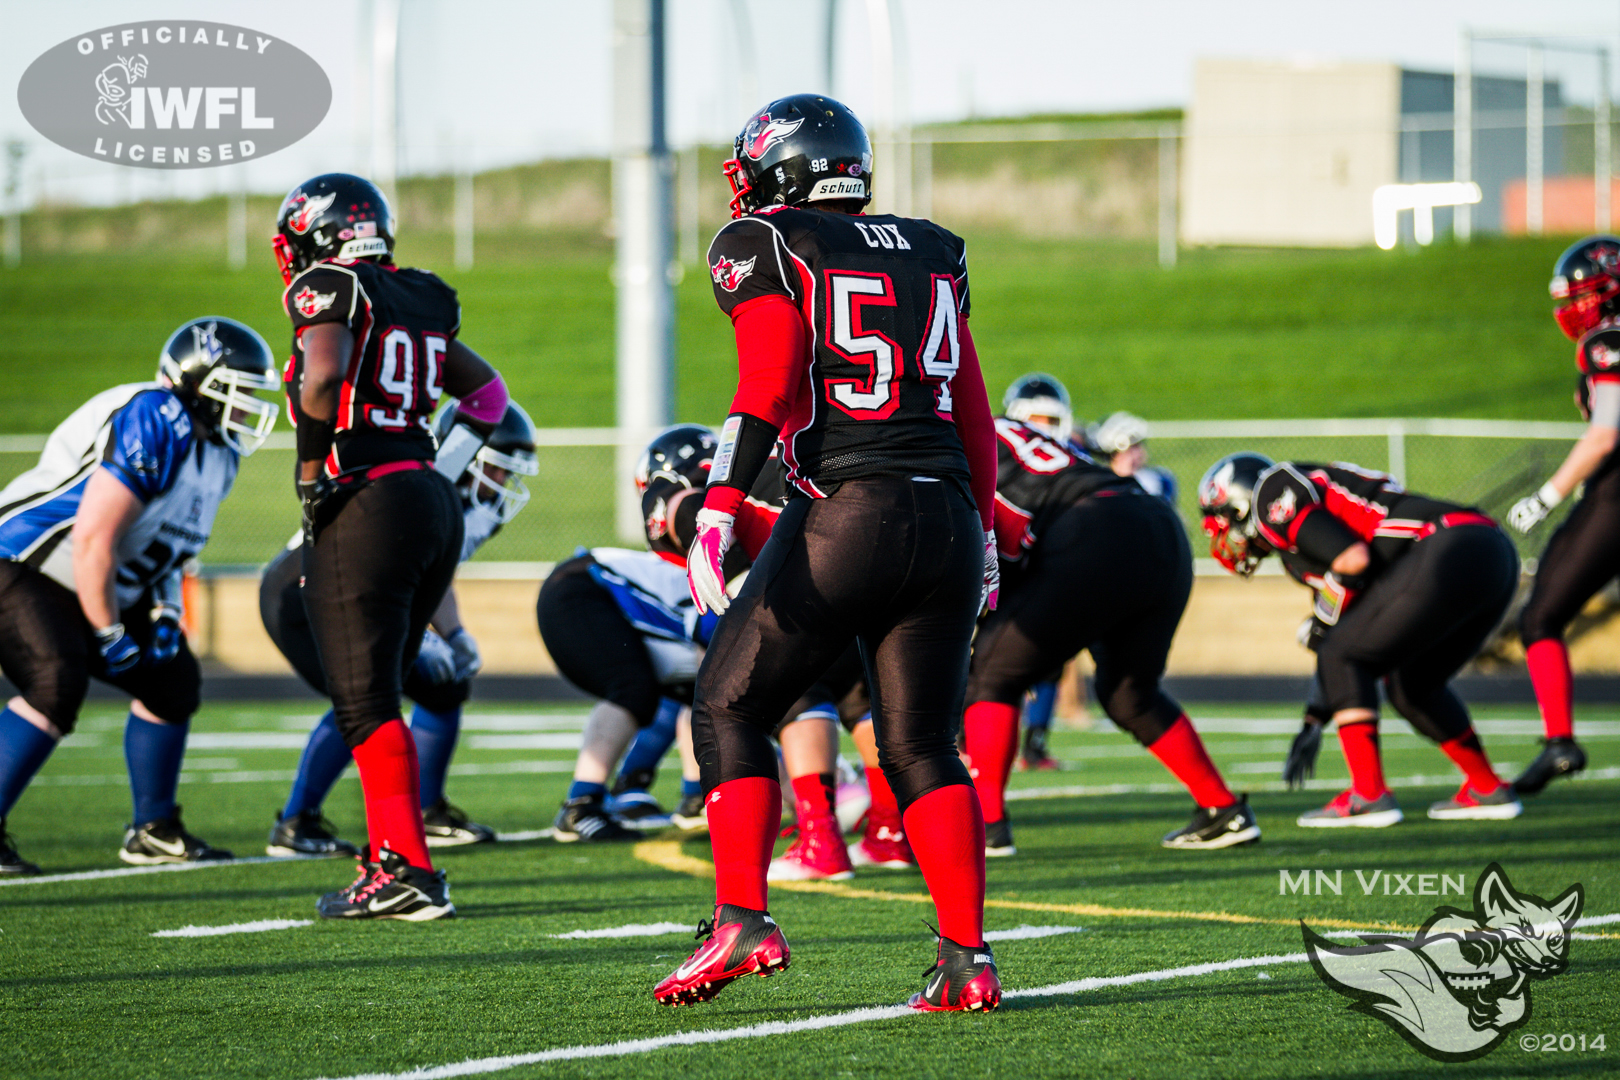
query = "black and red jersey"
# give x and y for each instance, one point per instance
(403, 321)
(881, 296)
(1597, 357)
(1309, 514)
(1038, 477)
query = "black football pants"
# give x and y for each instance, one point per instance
(594, 646)
(281, 606)
(894, 564)
(1110, 574)
(1581, 558)
(372, 581)
(1419, 622)
(49, 651)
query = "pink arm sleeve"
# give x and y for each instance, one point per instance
(487, 404)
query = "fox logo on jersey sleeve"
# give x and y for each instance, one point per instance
(311, 303)
(729, 273)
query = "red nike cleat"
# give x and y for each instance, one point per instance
(739, 942)
(962, 979)
(817, 855)
(882, 843)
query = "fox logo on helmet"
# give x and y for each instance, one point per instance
(300, 220)
(764, 132)
(729, 274)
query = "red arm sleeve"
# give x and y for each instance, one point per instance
(970, 406)
(771, 344)
(755, 520)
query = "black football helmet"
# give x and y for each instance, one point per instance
(682, 454)
(1038, 394)
(509, 448)
(800, 149)
(1226, 498)
(332, 216)
(215, 364)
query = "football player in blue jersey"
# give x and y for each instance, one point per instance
(92, 541)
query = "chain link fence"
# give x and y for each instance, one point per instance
(1483, 463)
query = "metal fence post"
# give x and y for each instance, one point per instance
(1397, 450)
(1168, 183)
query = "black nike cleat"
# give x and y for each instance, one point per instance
(998, 840)
(587, 819)
(167, 841)
(1217, 827)
(391, 888)
(11, 863)
(738, 942)
(962, 978)
(1558, 757)
(639, 810)
(307, 833)
(447, 826)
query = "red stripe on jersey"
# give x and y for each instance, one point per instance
(1362, 515)
(755, 520)
(805, 402)
(1293, 526)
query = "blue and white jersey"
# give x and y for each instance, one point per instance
(653, 594)
(142, 434)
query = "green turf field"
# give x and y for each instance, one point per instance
(1226, 335)
(86, 989)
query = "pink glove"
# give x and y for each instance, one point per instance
(703, 573)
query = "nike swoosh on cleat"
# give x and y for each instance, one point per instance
(392, 901)
(168, 847)
(933, 987)
(698, 959)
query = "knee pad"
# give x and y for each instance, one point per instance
(57, 688)
(1436, 712)
(1144, 710)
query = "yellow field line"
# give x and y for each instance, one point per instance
(668, 855)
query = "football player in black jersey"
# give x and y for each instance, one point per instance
(1582, 555)
(1092, 561)
(854, 350)
(1407, 590)
(438, 682)
(374, 348)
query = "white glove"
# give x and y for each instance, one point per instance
(703, 573)
(991, 595)
(1531, 510)
(465, 652)
(435, 660)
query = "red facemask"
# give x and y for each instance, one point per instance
(1230, 549)
(286, 258)
(740, 186)
(1584, 311)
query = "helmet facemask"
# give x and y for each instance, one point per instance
(506, 494)
(240, 419)
(1586, 307)
(1231, 546)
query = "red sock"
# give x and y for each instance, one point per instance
(1360, 743)
(946, 830)
(815, 795)
(885, 807)
(389, 776)
(744, 817)
(1548, 661)
(1470, 757)
(991, 730)
(1182, 752)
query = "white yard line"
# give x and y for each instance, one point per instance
(1241, 725)
(1024, 933)
(478, 1066)
(525, 834)
(265, 776)
(235, 928)
(656, 929)
(141, 871)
